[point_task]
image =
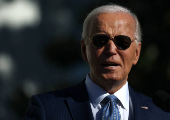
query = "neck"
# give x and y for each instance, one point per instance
(110, 86)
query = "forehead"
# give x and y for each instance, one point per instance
(112, 23)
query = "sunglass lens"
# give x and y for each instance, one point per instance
(100, 40)
(122, 42)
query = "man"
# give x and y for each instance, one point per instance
(111, 44)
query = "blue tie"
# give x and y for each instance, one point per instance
(111, 111)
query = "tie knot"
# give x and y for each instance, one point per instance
(112, 98)
(110, 110)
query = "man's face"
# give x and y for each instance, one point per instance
(109, 64)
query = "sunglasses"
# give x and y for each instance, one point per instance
(122, 42)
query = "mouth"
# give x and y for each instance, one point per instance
(110, 65)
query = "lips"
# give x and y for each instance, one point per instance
(111, 64)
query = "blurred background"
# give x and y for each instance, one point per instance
(40, 48)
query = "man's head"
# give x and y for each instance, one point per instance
(109, 64)
(109, 9)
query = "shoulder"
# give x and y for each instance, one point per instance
(139, 96)
(142, 101)
(51, 104)
(71, 92)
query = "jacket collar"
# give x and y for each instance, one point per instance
(80, 108)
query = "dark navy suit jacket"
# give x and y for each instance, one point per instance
(73, 104)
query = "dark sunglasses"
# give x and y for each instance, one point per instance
(122, 42)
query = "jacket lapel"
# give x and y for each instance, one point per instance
(80, 110)
(141, 109)
(78, 103)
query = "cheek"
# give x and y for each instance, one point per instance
(93, 53)
(89, 53)
(128, 58)
(93, 56)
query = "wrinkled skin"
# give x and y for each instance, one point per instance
(109, 66)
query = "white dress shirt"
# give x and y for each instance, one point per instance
(97, 94)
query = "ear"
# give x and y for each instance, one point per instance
(137, 53)
(83, 50)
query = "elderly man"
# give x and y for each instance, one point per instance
(111, 44)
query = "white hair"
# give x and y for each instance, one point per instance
(110, 9)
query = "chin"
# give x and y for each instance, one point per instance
(113, 77)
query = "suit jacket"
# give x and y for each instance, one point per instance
(73, 104)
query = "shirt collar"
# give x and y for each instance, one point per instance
(97, 94)
(123, 95)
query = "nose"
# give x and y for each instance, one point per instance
(111, 48)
